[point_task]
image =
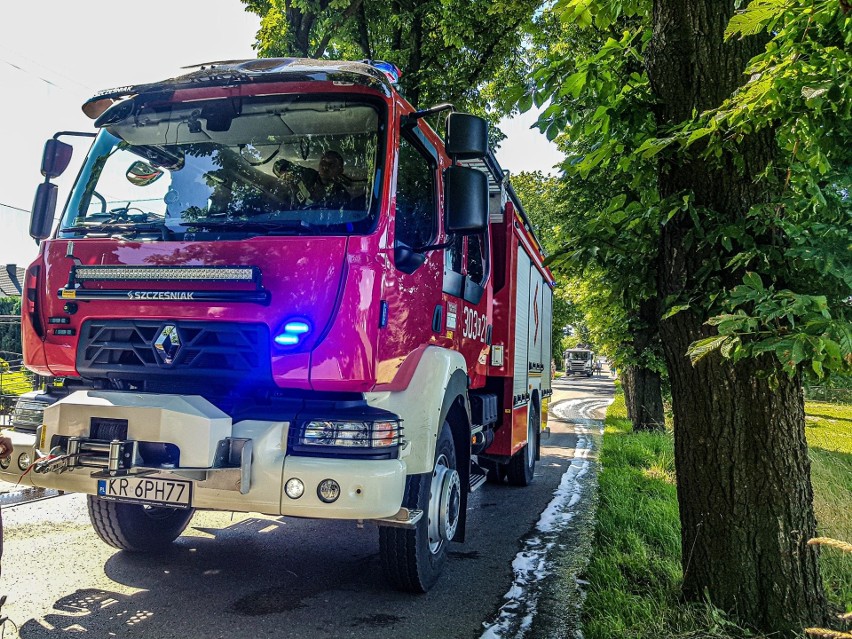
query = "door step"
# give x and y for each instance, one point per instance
(476, 480)
(405, 518)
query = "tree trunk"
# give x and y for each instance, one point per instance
(743, 486)
(645, 405)
(628, 382)
(643, 397)
(742, 465)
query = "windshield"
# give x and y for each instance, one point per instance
(267, 166)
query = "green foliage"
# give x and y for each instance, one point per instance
(465, 52)
(635, 571)
(603, 224)
(10, 334)
(828, 428)
(602, 113)
(795, 328)
(14, 382)
(585, 299)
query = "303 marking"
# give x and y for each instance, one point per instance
(475, 325)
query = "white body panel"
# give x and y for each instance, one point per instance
(522, 304)
(535, 316)
(547, 338)
(420, 404)
(369, 488)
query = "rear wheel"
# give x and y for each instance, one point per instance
(521, 467)
(137, 528)
(414, 559)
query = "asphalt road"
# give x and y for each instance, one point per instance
(256, 576)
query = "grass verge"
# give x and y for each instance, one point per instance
(634, 573)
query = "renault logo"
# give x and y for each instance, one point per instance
(168, 343)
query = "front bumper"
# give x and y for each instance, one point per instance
(369, 488)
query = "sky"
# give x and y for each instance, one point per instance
(55, 54)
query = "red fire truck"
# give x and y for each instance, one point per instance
(274, 288)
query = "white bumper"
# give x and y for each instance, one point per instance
(369, 488)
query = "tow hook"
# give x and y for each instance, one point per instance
(52, 462)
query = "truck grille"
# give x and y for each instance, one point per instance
(150, 349)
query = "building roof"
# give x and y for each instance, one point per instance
(11, 278)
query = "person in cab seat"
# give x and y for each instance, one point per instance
(325, 188)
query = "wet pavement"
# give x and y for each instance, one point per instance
(250, 575)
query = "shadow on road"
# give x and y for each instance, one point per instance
(206, 586)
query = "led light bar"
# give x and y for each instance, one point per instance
(165, 273)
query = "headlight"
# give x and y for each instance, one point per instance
(350, 434)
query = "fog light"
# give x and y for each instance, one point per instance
(24, 461)
(294, 488)
(5, 462)
(328, 490)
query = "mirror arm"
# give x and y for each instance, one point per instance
(410, 120)
(78, 134)
(435, 247)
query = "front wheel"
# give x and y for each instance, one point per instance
(137, 528)
(413, 559)
(521, 467)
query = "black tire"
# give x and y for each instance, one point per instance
(495, 472)
(137, 528)
(410, 562)
(521, 467)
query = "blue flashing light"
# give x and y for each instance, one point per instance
(297, 328)
(391, 71)
(292, 333)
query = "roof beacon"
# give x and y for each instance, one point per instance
(390, 70)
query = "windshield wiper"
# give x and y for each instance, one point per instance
(112, 226)
(286, 227)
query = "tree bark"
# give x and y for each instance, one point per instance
(744, 490)
(643, 397)
(364, 33)
(743, 472)
(646, 396)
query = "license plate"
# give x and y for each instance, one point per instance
(147, 490)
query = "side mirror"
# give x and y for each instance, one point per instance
(465, 201)
(44, 208)
(55, 159)
(467, 136)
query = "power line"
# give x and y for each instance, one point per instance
(39, 74)
(17, 208)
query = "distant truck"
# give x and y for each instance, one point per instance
(579, 361)
(274, 288)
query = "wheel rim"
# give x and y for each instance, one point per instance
(531, 438)
(444, 504)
